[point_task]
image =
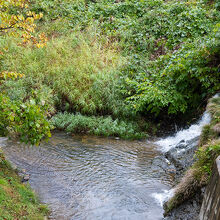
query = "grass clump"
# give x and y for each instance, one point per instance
(17, 201)
(206, 157)
(80, 72)
(24, 120)
(210, 143)
(104, 126)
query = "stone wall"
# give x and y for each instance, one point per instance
(210, 209)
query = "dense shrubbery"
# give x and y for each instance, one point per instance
(180, 80)
(24, 120)
(104, 126)
(76, 68)
(118, 58)
(172, 48)
(21, 118)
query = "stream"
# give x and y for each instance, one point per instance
(86, 177)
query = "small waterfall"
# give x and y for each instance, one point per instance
(162, 197)
(184, 135)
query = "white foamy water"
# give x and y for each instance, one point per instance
(163, 197)
(184, 135)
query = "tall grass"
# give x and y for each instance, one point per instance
(81, 70)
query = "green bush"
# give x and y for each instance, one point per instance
(24, 120)
(118, 58)
(180, 80)
(104, 126)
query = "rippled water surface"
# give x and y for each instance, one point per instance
(83, 177)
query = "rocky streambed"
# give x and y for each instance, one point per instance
(181, 155)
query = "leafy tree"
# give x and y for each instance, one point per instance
(24, 120)
(17, 20)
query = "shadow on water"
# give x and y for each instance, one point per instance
(83, 177)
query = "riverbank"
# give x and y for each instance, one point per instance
(196, 168)
(17, 200)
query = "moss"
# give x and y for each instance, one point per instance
(209, 141)
(206, 155)
(17, 201)
(214, 108)
(208, 133)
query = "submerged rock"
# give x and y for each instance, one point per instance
(182, 156)
(161, 164)
(25, 178)
(189, 210)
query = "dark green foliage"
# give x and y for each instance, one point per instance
(24, 120)
(119, 58)
(179, 80)
(172, 47)
(104, 126)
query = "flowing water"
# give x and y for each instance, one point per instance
(184, 135)
(83, 177)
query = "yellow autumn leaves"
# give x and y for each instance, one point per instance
(10, 75)
(16, 3)
(20, 23)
